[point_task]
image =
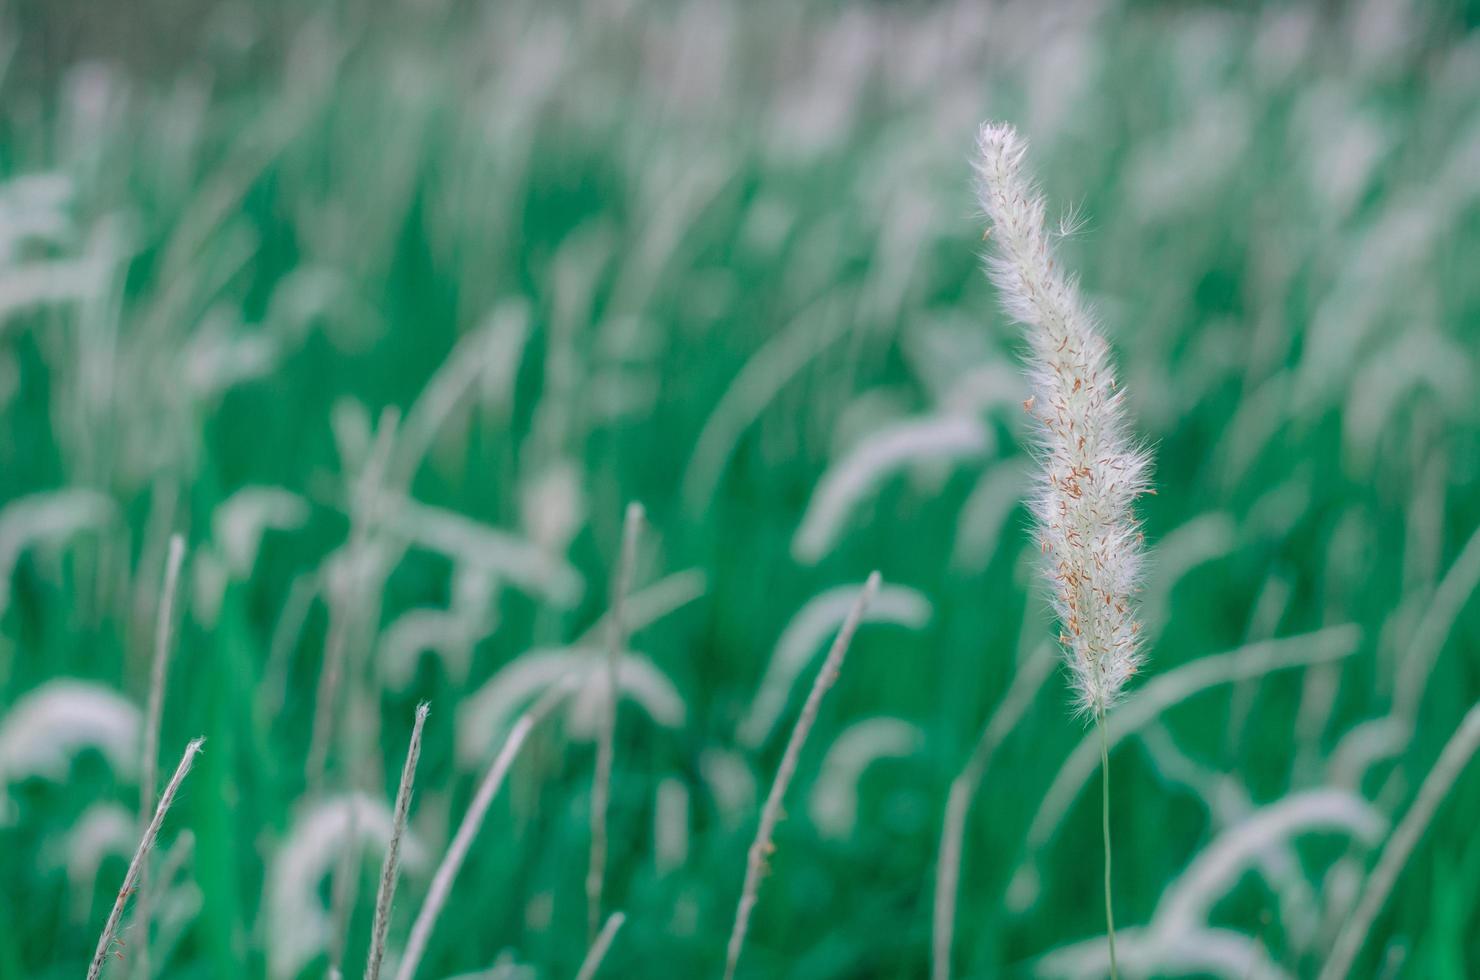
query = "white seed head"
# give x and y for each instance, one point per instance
(239, 523)
(489, 712)
(42, 733)
(1091, 472)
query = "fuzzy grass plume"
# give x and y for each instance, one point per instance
(1091, 470)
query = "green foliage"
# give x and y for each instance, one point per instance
(279, 225)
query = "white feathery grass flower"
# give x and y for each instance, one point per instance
(486, 713)
(906, 444)
(1092, 471)
(46, 519)
(522, 563)
(239, 523)
(48, 726)
(833, 802)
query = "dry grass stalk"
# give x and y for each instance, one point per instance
(616, 640)
(1436, 786)
(761, 847)
(457, 851)
(389, 869)
(146, 844)
(599, 947)
(149, 764)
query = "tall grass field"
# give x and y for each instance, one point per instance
(659, 489)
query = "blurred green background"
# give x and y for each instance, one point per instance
(722, 259)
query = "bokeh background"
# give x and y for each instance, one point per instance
(391, 308)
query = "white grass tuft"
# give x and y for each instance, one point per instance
(298, 925)
(450, 633)
(485, 363)
(104, 830)
(1092, 472)
(1208, 952)
(1179, 938)
(482, 715)
(1186, 903)
(881, 454)
(48, 726)
(731, 782)
(652, 603)
(1363, 747)
(48, 518)
(833, 802)
(521, 563)
(239, 522)
(1229, 804)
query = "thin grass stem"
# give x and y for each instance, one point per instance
(388, 870)
(1453, 759)
(761, 847)
(600, 945)
(457, 851)
(154, 713)
(146, 844)
(1105, 827)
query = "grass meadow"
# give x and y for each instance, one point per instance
(390, 311)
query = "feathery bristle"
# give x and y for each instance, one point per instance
(1091, 470)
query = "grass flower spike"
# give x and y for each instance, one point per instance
(1091, 471)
